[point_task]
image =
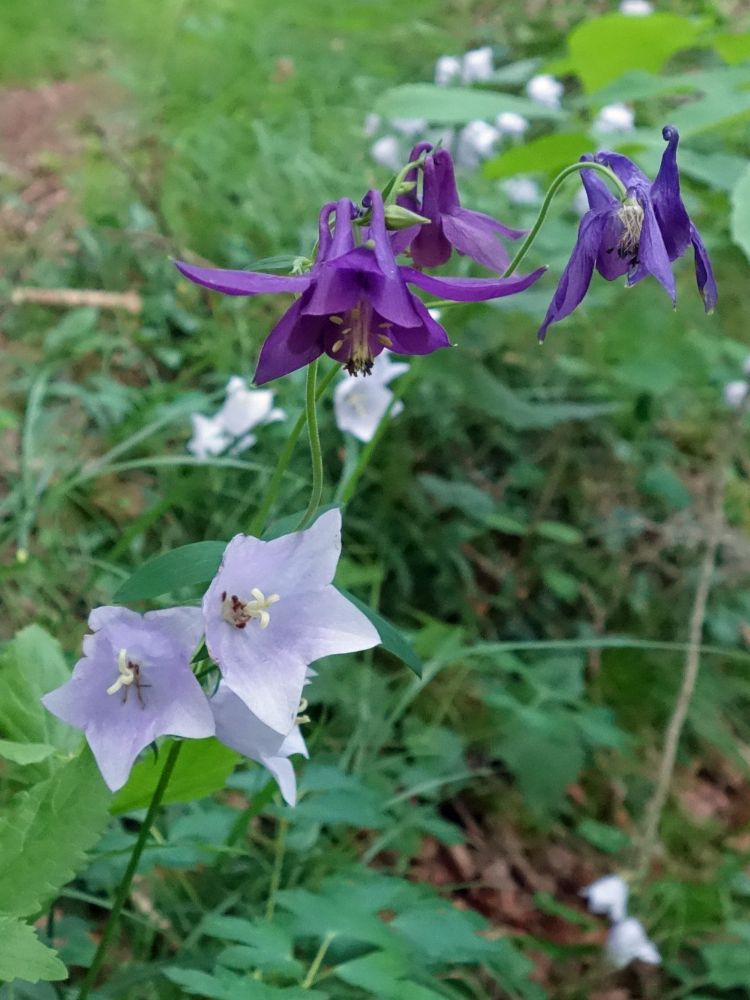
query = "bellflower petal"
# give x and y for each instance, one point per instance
(240, 729)
(609, 896)
(360, 404)
(134, 684)
(271, 610)
(628, 941)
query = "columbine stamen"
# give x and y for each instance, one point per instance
(631, 217)
(238, 612)
(337, 320)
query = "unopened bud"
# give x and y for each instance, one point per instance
(398, 217)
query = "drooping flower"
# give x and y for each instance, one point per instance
(242, 410)
(476, 65)
(637, 237)
(240, 729)
(627, 941)
(615, 118)
(545, 89)
(451, 226)
(447, 70)
(511, 123)
(133, 684)
(354, 301)
(271, 610)
(636, 8)
(476, 141)
(360, 404)
(609, 896)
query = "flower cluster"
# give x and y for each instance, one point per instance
(268, 614)
(627, 940)
(355, 300)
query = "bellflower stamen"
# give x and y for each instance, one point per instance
(127, 673)
(238, 612)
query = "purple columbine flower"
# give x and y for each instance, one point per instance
(451, 226)
(133, 684)
(271, 610)
(354, 302)
(637, 237)
(240, 729)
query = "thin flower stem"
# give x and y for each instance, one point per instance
(124, 887)
(278, 867)
(316, 963)
(551, 192)
(316, 455)
(272, 490)
(673, 733)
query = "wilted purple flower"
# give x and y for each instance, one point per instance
(355, 301)
(133, 684)
(451, 226)
(240, 729)
(271, 610)
(637, 237)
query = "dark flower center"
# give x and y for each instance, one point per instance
(239, 612)
(631, 218)
(355, 330)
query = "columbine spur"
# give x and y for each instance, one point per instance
(637, 237)
(271, 610)
(134, 683)
(354, 302)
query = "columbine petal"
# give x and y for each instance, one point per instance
(294, 342)
(232, 282)
(704, 273)
(628, 172)
(576, 277)
(652, 252)
(471, 289)
(671, 214)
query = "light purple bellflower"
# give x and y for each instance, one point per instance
(133, 684)
(240, 729)
(637, 237)
(271, 610)
(354, 302)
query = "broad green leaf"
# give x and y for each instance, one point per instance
(543, 750)
(455, 105)
(390, 636)
(719, 170)
(30, 666)
(46, 831)
(637, 85)
(547, 154)
(202, 767)
(740, 218)
(25, 753)
(23, 956)
(602, 49)
(185, 566)
(728, 963)
(719, 107)
(224, 985)
(257, 945)
(384, 974)
(603, 836)
(732, 48)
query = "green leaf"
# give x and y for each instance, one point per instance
(46, 831)
(25, 753)
(390, 636)
(546, 154)
(23, 956)
(202, 767)
(732, 48)
(225, 985)
(602, 49)
(740, 218)
(603, 836)
(543, 750)
(185, 566)
(30, 666)
(455, 105)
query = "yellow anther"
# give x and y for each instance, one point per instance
(385, 341)
(337, 320)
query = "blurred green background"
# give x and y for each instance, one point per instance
(529, 506)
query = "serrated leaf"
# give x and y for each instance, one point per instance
(23, 956)
(740, 218)
(390, 636)
(548, 154)
(455, 105)
(185, 566)
(30, 666)
(46, 831)
(202, 767)
(602, 49)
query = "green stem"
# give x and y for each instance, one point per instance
(272, 490)
(551, 192)
(124, 887)
(316, 455)
(317, 961)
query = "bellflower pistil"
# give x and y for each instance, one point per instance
(637, 237)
